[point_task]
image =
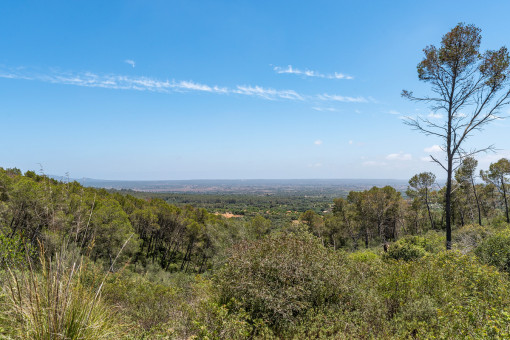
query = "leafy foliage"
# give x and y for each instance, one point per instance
(279, 278)
(413, 247)
(495, 250)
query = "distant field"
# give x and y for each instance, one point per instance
(278, 200)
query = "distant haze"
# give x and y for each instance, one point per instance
(247, 186)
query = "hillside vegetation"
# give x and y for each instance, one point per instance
(85, 263)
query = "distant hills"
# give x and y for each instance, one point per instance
(246, 186)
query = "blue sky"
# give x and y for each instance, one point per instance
(225, 89)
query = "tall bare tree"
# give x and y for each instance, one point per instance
(469, 89)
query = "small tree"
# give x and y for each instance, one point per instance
(466, 175)
(469, 88)
(345, 213)
(259, 226)
(498, 176)
(419, 186)
(383, 210)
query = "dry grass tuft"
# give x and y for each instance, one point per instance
(53, 303)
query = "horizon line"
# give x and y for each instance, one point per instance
(231, 179)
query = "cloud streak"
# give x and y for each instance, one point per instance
(120, 82)
(308, 73)
(324, 109)
(140, 83)
(338, 98)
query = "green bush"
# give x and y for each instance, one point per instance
(364, 256)
(280, 278)
(210, 320)
(499, 222)
(14, 252)
(144, 303)
(413, 247)
(202, 316)
(495, 250)
(446, 295)
(469, 237)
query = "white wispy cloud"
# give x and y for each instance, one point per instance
(308, 73)
(339, 98)
(121, 82)
(433, 149)
(329, 109)
(267, 93)
(393, 112)
(399, 156)
(351, 142)
(130, 62)
(141, 83)
(318, 142)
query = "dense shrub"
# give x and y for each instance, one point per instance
(363, 256)
(499, 222)
(210, 320)
(143, 302)
(13, 251)
(279, 278)
(495, 250)
(414, 247)
(469, 237)
(446, 295)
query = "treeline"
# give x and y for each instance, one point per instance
(45, 212)
(37, 208)
(383, 215)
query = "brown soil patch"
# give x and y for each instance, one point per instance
(227, 215)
